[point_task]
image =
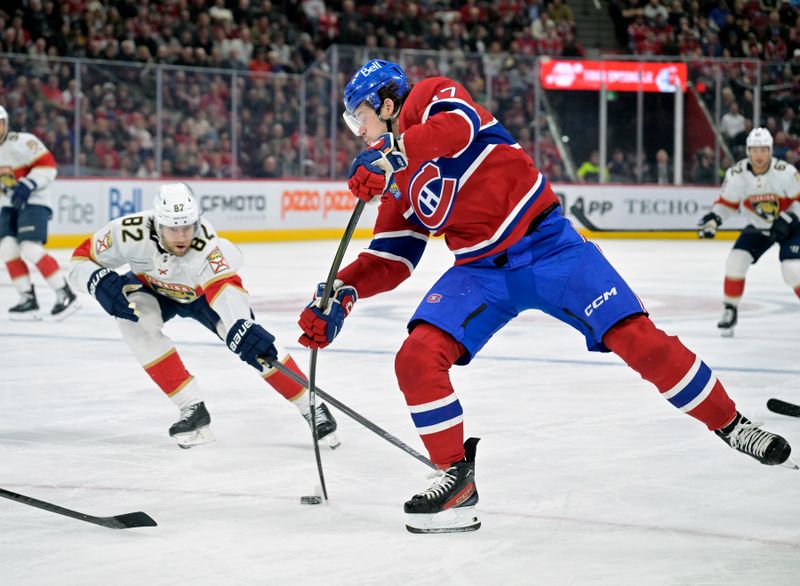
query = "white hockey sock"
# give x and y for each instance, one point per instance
(301, 402)
(187, 396)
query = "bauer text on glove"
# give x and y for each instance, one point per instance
(251, 342)
(111, 290)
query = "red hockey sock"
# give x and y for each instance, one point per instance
(169, 373)
(423, 372)
(17, 268)
(733, 287)
(283, 384)
(47, 265)
(797, 291)
(681, 377)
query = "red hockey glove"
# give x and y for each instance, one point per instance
(321, 327)
(371, 171)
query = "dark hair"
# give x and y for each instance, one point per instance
(391, 92)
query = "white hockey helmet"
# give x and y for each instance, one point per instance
(4, 116)
(759, 137)
(175, 205)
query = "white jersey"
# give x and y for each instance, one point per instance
(23, 155)
(760, 197)
(207, 269)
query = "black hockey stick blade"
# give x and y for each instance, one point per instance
(128, 520)
(783, 408)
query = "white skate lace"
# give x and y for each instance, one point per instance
(443, 481)
(748, 438)
(320, 416)
(727, 316)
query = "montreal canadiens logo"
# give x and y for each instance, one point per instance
(434, 298)
(432, 196)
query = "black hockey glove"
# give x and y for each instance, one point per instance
(251, 342)
(782, 226)
(708, 225)
(111, 290)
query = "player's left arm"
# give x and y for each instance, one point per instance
(789, 217)
(449, 122)
(41, 169)
(226, 295)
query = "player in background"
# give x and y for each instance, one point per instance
(442, 164)
(767, 191)
(27, 169)
(179, 266)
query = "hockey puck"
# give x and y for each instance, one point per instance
(310, 500)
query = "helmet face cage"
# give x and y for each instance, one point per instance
(365, 85)
(759, 137)
(173, 206)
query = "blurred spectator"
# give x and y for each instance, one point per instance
(662, 169)
(732, 122)
(618, 169)
(589, 171)
(703, 167)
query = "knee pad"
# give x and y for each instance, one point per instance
(9, 248)
(790, 269)
(425, 358)
(738, 264)
(32, 251)
(150, 322)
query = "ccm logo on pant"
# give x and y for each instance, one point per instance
(599, 301)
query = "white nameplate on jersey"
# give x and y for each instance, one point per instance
(141, 265)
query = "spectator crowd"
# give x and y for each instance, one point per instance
(269, 62)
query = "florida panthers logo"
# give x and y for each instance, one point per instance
(432, 196)
(767, 205)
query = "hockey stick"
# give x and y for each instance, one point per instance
(276, 364)
(323, 305)
(783, 408)
(125, 521)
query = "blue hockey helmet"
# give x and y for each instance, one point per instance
(365, 84)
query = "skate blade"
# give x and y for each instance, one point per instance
(332, 440)
(198, 437)
(72, 308)
(789, 463)
(457, 520)
(27, 316)
(726, 332)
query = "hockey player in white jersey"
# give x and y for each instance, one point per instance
(767, 191)
(180, 266)
(27, 169)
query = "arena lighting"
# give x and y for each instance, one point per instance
(620, 76)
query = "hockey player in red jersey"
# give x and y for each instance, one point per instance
(440, 163)
(179, 266)
(27, 169)
(767, 192)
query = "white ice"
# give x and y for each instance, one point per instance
(586, 475)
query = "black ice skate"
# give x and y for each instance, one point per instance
(745, 436)
(192, 429)
(326, 425)
(27, 309)
(448, 506)
(66, 303)
(730, 315)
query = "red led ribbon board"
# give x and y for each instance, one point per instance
(619, 76)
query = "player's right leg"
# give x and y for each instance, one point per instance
(27, 308)
(158, 356)
(746, 251)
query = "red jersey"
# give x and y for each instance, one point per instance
(467, 179)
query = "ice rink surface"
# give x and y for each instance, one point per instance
(586, 475)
